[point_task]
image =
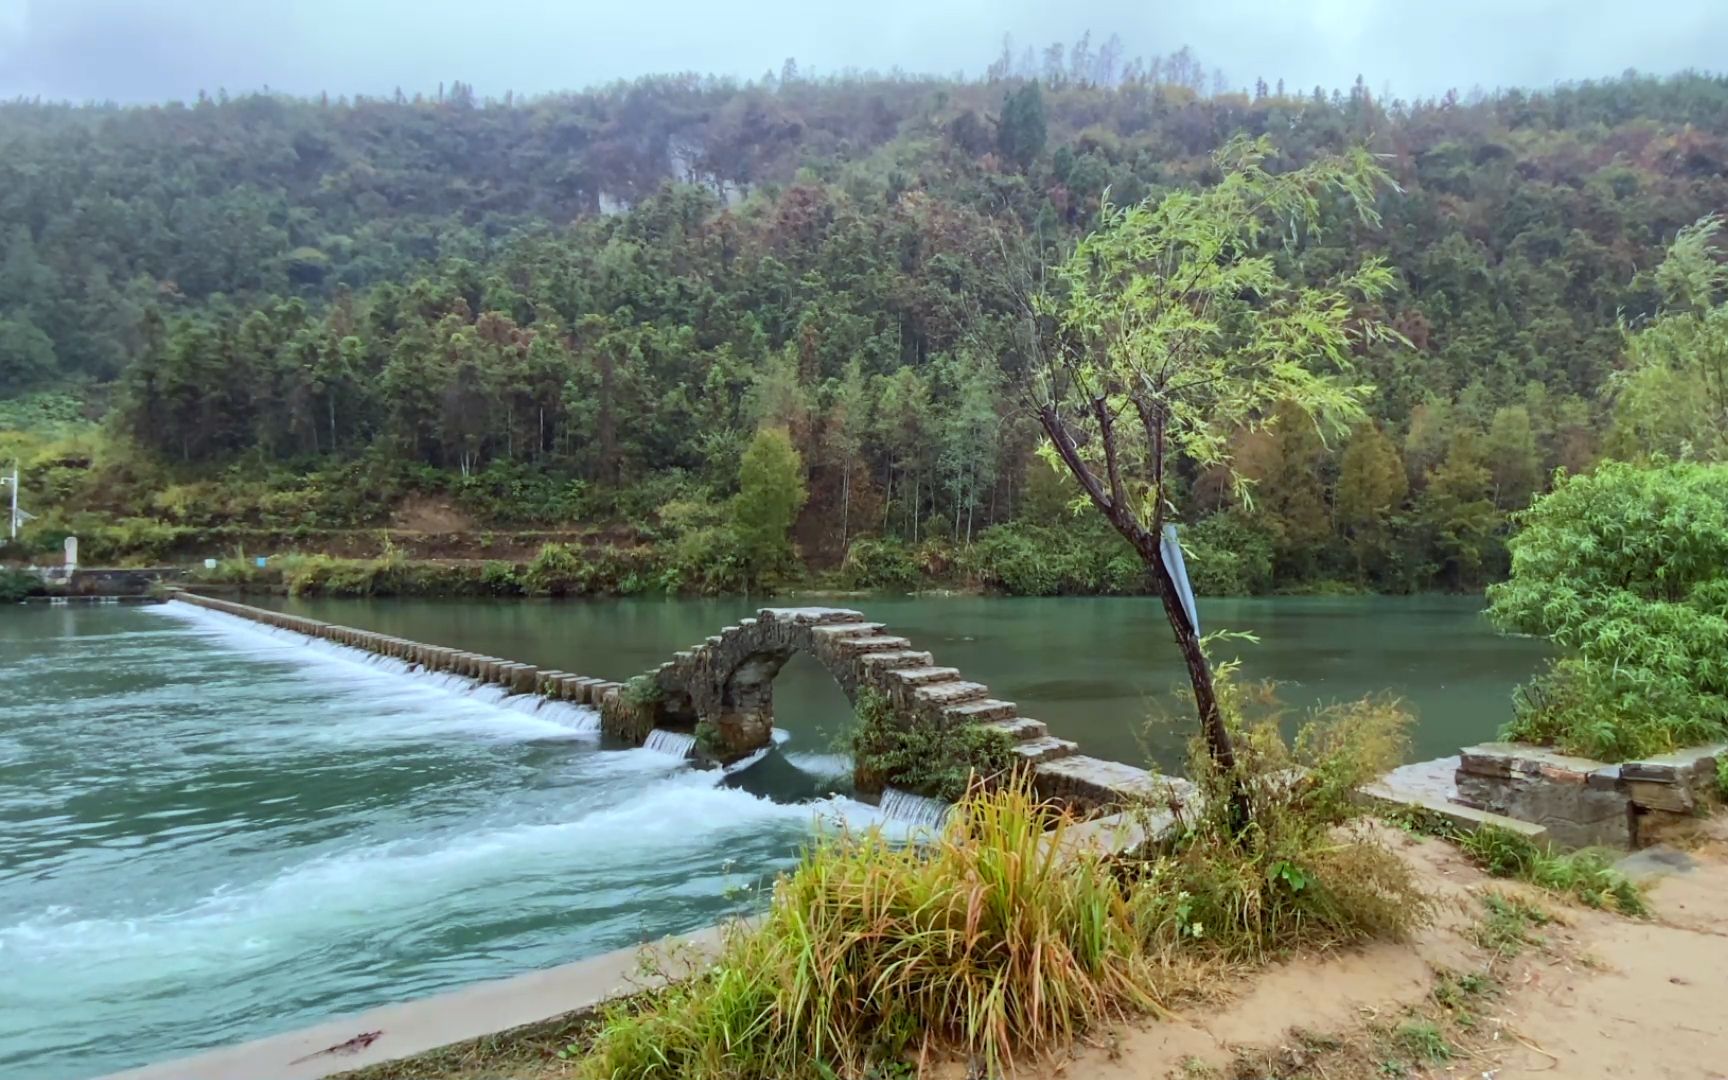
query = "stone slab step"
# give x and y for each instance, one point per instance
(873, 644)
(977, 712)
(1085, 783)
(1045, 748)
(1461, 817)
(904, 658)
(923, 676)
(1020, 728)
(810, 616)
(845, 630)
(941, 695)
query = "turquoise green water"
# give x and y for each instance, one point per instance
(1097, 669)
(211, 832)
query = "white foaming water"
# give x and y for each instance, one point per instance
(550, 718)
(822, 766)
(680, 744)
(916, 810)
(297, 831)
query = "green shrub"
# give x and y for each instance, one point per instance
(1291, 877)
(1627, 570)
(1032, 560)
(879, 563)
(1228, 555)
(515, 494)
(708, 560)
(16, 584)
(938, 760)
(500, 578)
(555, 571)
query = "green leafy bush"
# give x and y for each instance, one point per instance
(1290, 877)
(16, 584)
(554, 571)
(1627, 570)
(938, 760)
(1227, 555)
(708, 560)
(879, 563)
(1035, 560)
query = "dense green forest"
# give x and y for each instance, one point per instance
(260, 315)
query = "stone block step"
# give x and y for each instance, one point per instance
(1087, 783)
(976, 712)
(844, 630)
(872, 644)
(810, 616)
(941, 695)
(1020, 728)
(1044, 748)
(887, 661)
(923, 676)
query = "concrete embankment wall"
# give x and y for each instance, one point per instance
(515, 677)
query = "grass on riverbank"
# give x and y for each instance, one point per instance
(1001, 940)
(1587, 876)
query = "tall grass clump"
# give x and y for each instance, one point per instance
(1297, 873)
(1001, 939)
(1587, 875)
(992, 941)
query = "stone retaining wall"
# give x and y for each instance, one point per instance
(1585, 802)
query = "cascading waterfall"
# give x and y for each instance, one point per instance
(574, 717)
(917, 810)
(677, 743)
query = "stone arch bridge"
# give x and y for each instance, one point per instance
(724, 687)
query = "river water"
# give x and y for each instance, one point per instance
(212, 832)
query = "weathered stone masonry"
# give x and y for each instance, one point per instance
(516, 678)
(727, 684)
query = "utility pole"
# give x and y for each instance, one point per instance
(18, 515)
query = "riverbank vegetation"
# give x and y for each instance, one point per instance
(1587, 876)
(1006, 936)
(286, 324)
(1627, 570)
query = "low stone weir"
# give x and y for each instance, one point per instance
(512, 677)
(724, 689)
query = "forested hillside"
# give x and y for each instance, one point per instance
(577, 310)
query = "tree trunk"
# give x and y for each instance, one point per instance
(1145, 542)
(1218, 742)
(845, 504)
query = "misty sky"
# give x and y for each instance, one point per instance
(150, 50)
